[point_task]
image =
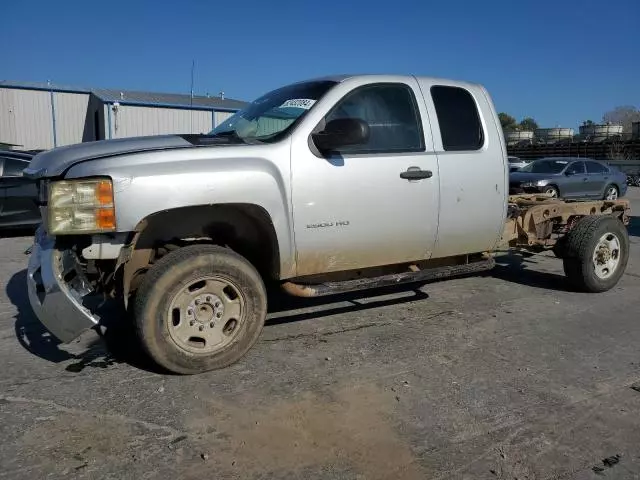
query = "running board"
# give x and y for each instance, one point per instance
(437, 273)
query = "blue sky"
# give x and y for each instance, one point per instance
(558, 61)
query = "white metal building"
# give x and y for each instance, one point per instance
(37, 116)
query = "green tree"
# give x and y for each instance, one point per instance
(507, 121)
(624, 115)
(529, 124)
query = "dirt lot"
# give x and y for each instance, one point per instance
(505, 376)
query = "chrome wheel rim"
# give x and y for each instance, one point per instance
(612, 194)
(552, 192)
(606, 256)
(206, 315)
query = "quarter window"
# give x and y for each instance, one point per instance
(392, 114)
(595, 167)
(460, 125)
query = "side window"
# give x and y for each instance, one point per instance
(13, 167)
(460, 125)
(392, 114)
(594, 167)
(576, 168)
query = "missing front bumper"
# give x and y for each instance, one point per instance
(58, 290)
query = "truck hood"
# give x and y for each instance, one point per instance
(530, 177)
(55, 162)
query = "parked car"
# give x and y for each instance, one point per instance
(18, 194)
(633, 179)
(320, 187)
(569, 177)
(516, 163)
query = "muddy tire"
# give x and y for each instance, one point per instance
(595, 253)
(199, 308)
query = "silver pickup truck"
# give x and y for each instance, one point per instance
(322, 186)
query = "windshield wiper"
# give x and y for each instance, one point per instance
(233, 135)
(226, 137)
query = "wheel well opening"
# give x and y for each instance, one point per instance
(246, 229)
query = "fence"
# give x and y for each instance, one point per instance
(624, 154)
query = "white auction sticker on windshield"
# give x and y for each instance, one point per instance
(305, 103)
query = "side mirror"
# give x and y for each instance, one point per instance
(340, 133)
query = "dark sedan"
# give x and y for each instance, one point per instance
(568, 177)
(18, 194)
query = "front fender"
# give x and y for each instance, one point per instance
(148, 183)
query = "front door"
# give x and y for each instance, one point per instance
(359, 208)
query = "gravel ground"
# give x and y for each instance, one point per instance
(502, 376)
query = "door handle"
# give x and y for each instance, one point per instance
(415, 173)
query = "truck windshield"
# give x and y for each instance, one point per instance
(545, 166)
(269, 117)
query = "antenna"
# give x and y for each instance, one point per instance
(193, 66)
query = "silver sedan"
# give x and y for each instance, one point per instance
(569, 177)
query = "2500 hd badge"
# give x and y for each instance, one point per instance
(341, 223)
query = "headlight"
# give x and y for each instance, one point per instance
(81, 206)
(539, 183)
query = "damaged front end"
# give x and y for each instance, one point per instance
(60, 292)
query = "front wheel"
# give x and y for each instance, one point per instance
(595, 253)
(200, 308)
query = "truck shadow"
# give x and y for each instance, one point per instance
(17, 232)
(117, 342)
(634, 227)
(281, 304)
(516, 268)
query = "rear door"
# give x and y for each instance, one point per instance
(18, 205)
(473, 167)
(598, 178)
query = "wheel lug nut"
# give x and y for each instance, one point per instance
(218, 304)
(192, 323)
(208, 299)
(219, 314)
(211, 325)
(197, 301)
(200, 328)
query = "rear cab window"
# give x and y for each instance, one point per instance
(458, 117)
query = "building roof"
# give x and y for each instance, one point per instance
(126, 97)
(43, 86)
(129, 97)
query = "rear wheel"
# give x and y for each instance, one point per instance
(611, 193)
(595, 253)
(200, 308)
(552, 191)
